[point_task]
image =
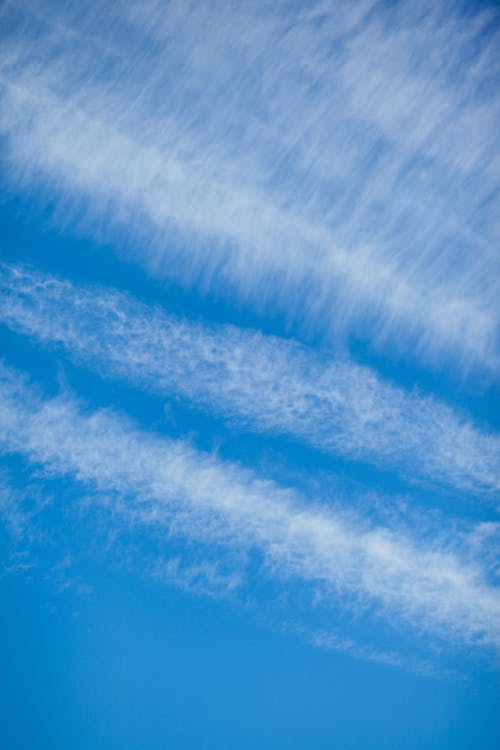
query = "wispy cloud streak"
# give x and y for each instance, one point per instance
(169, 483)
(324, 160)
(258, 382)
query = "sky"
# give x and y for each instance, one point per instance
(249, 402)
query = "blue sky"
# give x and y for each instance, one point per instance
(249, 380)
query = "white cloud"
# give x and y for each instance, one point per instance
(159, 482)
(327, 161)
(258, 382)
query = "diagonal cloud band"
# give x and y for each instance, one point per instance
(258, 382)
(204, 498)
(277, 167)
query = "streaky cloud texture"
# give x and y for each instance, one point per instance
(320, 160)
(164, 482)
(258, 382)
(249, 333)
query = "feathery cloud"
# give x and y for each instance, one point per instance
(157, 481)
(257, 382)
(324, 161)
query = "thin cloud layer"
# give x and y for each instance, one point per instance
(328, 171)
(258, 382)
(324, 162)
(158, 481)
